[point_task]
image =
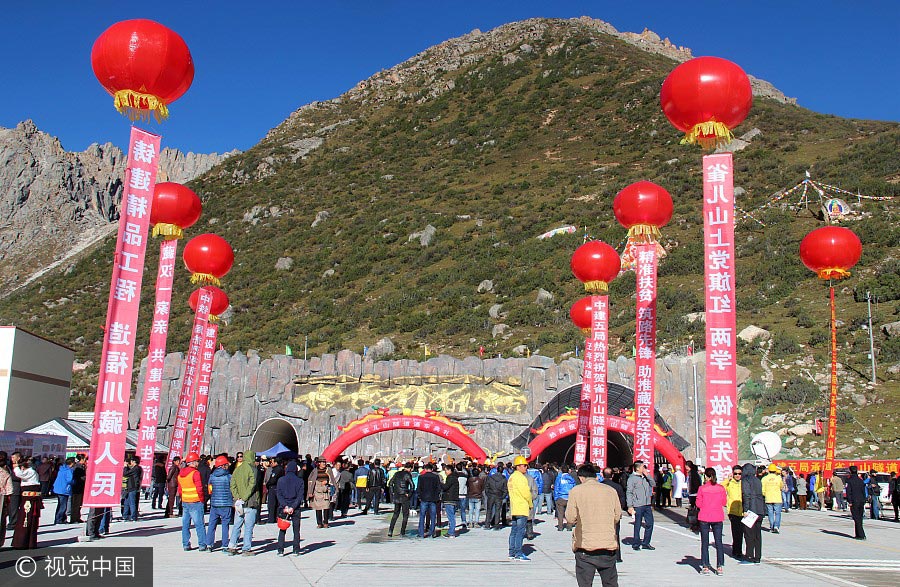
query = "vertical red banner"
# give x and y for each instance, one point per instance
(156, 358)
(191, 367)
(599, 407)
(645, 353)
(721, 336)
(584, 407)
(198, 426)
(104, 473)
(831, 438)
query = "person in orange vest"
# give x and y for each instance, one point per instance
(190, 488)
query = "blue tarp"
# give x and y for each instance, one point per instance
(274, 451)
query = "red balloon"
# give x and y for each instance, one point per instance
(220, 300)
(175, 207)
(580, 313)
(144, 65)
(595, 264)
(208, 257)
(831, 251)
(643, 208)
(705, 98)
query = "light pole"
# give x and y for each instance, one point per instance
(871, 336)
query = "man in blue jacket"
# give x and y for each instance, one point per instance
(290, 491)
(62, 487)
(220, 503)
(564, 483)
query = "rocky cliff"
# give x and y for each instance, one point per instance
(497, 397)
(55, 203)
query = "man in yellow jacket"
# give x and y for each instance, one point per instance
(771, 487)
(519, 506)
(735, 509)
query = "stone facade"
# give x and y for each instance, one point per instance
(497, 397)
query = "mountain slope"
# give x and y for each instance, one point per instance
(490, 140)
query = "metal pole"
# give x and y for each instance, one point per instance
(696, 415)
(871, 336)
(305, 346)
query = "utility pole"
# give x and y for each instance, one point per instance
(871, 336)
(305, 346)
(696, 416)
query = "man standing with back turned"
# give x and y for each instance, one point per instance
(595, 510)
(856, 497)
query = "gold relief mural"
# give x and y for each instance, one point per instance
(448, 394)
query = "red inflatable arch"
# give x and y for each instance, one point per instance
(568, 426)
(382, 421)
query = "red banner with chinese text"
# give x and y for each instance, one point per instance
(645, 352)
(198, 426)
(156, 358)
(599, 407)
(721, 336)
(104, 474)
(584, 407)
(831, 437)
(191, 368)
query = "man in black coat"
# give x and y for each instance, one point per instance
(429, 490)
(374, 487)
(277, 472)
(495, 491)
(856, 497)
(608, 480)
(752, 501)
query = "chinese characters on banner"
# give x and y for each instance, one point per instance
(721, 369)
(599, 328)
(831, 438)
(156, 358)
(645, 349)
(191, 372)
(104, 473)
(206, 366)
(584, 407)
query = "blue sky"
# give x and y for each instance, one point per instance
(256, 62)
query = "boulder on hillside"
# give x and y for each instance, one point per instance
(382, 348)
(695, 316)
(891, 329)
(543, 296)
(424, 236)
(499, 330)
(801, 430)
(495, 312)
(320, 217)
(486, 286)
(752, 332)
(284, 264)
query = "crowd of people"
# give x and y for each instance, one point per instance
(240, 492)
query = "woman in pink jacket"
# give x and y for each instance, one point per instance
(711, 499)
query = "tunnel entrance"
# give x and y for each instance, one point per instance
(618, 450)
(273, 431)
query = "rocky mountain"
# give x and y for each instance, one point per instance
(409, 208)
(54, 203)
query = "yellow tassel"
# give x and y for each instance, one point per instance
(833, 273)
(169, 231)
(596, 286)
(213, 318)
(644, 230)
(586, 331)
(138, 106)
(205, 279)
(709, 135)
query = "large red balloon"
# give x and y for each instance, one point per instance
(144, 65)
(831, 251)
(595, 264)
(643, 208)
(175, 207)
(580, 313)
(208, 257)
(220, 300)
(705, 98)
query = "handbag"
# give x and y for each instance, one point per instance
(283, 523)
(693, 515)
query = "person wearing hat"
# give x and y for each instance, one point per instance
(771, 487)
(520, 502)
(220, 502)
(190, 489)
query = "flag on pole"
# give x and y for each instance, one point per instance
(426, 351)
(481, 351)
(288, 351)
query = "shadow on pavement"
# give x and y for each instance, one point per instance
(691, 561)
(341, 523)
(833, 533)
(308, 548)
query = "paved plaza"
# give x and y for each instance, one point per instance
(814, 548)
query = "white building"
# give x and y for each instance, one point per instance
(35, 379)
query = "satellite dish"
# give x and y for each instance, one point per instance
(766, 445)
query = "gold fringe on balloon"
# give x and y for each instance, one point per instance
(205, 279)
(138, 106)
(212, 318)
(833, 273)
(169, 231)
(644, 233)
(596, 286)
(709, 135)
(586, 331)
